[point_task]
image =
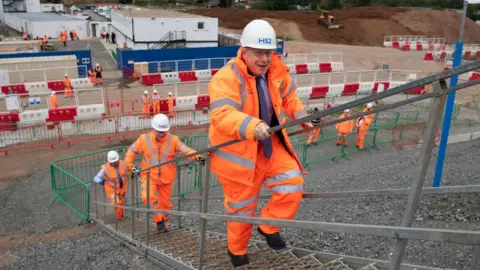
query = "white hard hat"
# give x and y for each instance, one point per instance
(53, 93)
(369, 105)
(112, 156)
(155, 91)
(145, 92)
(259, 34)
(98, 64)
(347, 110)
(169, 93)
(161, 123)
(66, 75)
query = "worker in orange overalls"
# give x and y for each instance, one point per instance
(363, 124)
(314, 136)
(68, 87)
(98, 75)
(25, 36)
(170, 103)
(146, 102)
(41, 44)
(156, 147)
(344, 128)
(102, 34)
(155, 102)
(113, 176)
(74, 35)
(260, 158)
(53, 100)
(63, 39)
(91, 75)
(45, 39)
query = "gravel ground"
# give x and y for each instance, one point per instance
(386, 168)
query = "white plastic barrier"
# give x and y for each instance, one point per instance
(304, 92)
(36, 87)
(81, 83)
(337, 66)
(170, 77)
(292, 68)
(186, 103)
(203, 75)
(32, 117)
(335, 90)
(365, 88)
(388, 44)
(396, 83)
(313, 68)
(90, 111)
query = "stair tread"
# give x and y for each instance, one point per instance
(307, 262)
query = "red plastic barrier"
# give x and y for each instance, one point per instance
(214, 71)
(164, 104)
(406, 47)
(443, 47)
(202, 102)
(56, 85)
(151, 79)
(8, 120)
(475, 76)
(301, 68)
(350, 89)
(467, 53)
(428, 56)
(187, 76)
(375, 87)
(325, 67)
(443, 55)
(478, 53)
(415, 91)
(319, 92)
(419, 47)
(16, 89)
(62, 114)
(431, 47)
(396, 44)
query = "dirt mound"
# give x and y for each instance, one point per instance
(286, 30)
(439, 23)
(362, 25)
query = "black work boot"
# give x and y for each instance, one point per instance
(238, 260)
(274, 240)
(161, 227)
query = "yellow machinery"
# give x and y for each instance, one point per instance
(328, 20)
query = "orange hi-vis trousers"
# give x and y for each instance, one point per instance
(121, 192)
(344, 137)
(145, 110)
(279, 174)
(314, 137)
(159, 197)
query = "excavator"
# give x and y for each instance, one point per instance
(328, 20)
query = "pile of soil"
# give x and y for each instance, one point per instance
(362, 25)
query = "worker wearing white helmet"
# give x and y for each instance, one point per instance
(155, 102)
(156, 147)
(171, 105)
(344, 128)
(114, 177)
(260, 158)
(98, 75)
(146, 103)
(68, 87)
(53, 100)
(363, 125)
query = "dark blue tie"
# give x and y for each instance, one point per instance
(119, 177)
(267, 143)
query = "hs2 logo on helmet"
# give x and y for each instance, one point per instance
(265, 40)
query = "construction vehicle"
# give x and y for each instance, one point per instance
(328, 20)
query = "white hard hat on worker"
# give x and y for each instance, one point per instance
(258, 43)
(113, 157)
(161, 125)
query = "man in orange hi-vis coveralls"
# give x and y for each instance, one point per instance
(363, 124)
(344, 128)
(315, 122)
(170, 103)
(145, 105)
(248, 95)
(113, 176)
(68, 87)
(156, 147)
(156, 102)
(91, 75)
(53, 100)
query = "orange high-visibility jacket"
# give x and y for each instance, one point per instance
(53, 102)
(145, 100)
(154, 153)
(364, 122)
(67, 83)
(234, 114)
(170, 103)
(110, 174)
(344, 127)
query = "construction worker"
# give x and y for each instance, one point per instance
(314, 136)
(25, 36)
(145, 105)
(260, 158)
(41, 43)
(53, 100)
(68, 87)
(170, 103)
(155, 102)
(113, 176)
(45, 39)
(156, 147)
(91, 75)
(63, 39)
(98, 75)
(344, 128)
(74, 35)
(363, 124)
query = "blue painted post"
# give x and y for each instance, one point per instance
(457, 60)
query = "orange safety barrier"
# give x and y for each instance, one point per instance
(410, 134)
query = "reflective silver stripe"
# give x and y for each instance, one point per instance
(184, 149)
(281, 116)
(242, 204)
(292, 88)
(242, 213)
(287, 188)
(167, 148)
(235, 159)
(150, 149)
(243, 92)
(244, 125)
(283, 176)
(300, 114)
(132, 147)
(223, 102)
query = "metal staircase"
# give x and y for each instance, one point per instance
(179, 38)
